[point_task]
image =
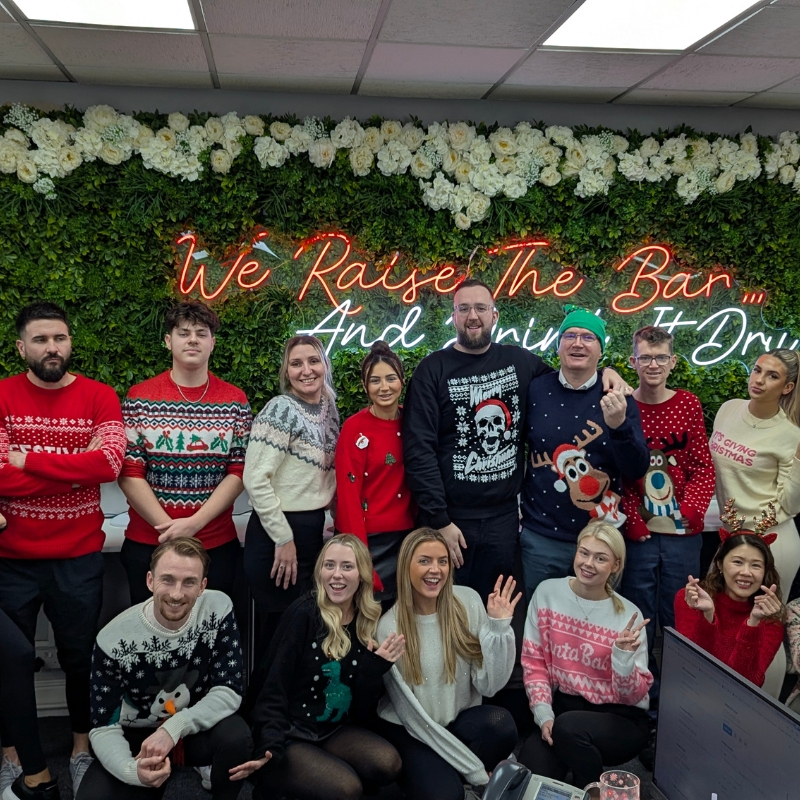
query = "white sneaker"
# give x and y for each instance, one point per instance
(205, 776)
(8, 773)
(78, 764)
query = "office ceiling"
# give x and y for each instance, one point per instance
(459, 49)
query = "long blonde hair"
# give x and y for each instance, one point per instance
(283, 374)
(790, 403)
(457, 639)
(366, 607)
(610, 536)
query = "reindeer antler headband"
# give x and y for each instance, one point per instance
(736, 524)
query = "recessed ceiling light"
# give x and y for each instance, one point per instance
(141, 14)
(645, 24)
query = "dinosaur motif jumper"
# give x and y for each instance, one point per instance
(307, 695)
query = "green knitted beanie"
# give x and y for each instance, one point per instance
(580, 318)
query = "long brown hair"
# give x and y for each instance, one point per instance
(790, 403)
(457, 639)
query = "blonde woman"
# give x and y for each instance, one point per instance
(584, 664)
(457, 652)
(325, 676)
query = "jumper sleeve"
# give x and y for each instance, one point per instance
(700, 478)
(635, 527)
(499, 651)
(693, 625)
(241, 436)
(18, 483)
(788, 491)
(630, 678)
(135, 463)
(630, 451)
(420, 439)
(536, 667)
(755, 648)
(369, 689)
(350, 463)
(90, 467)
(270, 438)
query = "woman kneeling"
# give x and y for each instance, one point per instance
(584, 662)
(457, 652)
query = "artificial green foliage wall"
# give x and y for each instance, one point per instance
(104, 249)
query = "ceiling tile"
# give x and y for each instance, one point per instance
(773, 32)
(500, 23)
(792, 85)
(431, 64)
(287, 83)
(242, 55)
(438, 91)
(31, 72)
(559, 68)
(298, 19)
(126, 76)
(773, 100)
(725, 73)
(5, 16)
(665, 97)
(16, 47)
(96, 48)
(557, 94)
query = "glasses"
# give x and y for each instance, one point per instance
(480, 308)
(584, 337)
(646, 361)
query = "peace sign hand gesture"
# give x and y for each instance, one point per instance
(765, 605)
(628, 638)
(500, 604)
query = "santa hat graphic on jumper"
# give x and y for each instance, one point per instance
(560, 455)
(488, 408)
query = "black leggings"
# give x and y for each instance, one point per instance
(586, 738)
(488, 731)
(342, 767)
(18, 698)
(224, 746)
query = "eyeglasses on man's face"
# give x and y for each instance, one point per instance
(646, 361)
(480, 308)
(573, 337)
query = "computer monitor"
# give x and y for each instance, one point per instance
(720, 734)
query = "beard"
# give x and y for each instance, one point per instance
(49, 373)
(473, 342)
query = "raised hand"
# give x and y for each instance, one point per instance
(697, 597)
(500, 604)
(765, 605)
(628, 638)
(392, 649)
(614, 407)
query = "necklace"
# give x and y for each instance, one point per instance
(178, 387)
(372, 411)
(758, 422)
(580, 605)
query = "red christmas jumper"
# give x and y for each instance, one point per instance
(47, 516)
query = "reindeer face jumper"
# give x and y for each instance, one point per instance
(575, 461)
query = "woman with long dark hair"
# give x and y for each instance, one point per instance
(373, 501)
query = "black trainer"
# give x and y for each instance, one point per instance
(20, 790)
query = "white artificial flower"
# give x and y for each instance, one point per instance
(658, 170)
(421, 166)
(298, 141)
(549, 176)
(774, 161)
(528, 139)
(514, 186)
(463, 222)
(391, 130)
(689, 187)
(503, 143)
(708, 163)
(506, 164)
(619, 144)
(796, 183)
(281, 131)
(674, 147)
(269, 152)
(461, 136)
(633, 166)
(479, 152)
(178, 122)
(26, 170)
(89, 143)
(787, 137)
(374, 138)
(438, 129)
(486, 178)
(144, 134)
(591, 183)
(47, 161)
(69, 159)
(649, 147)
(321, 152)
(437, 195)
(46, 187)
(559, 134)
(749, 143)
(348, 134)
(9, 153)
(460, 197)
(680, 166)
(45, 133)
(167, 136)
(17, 137)
(725, 182)
(361, 159)
(196, 139)
(220, 160)
(548, 154)
(97, 118)
(412, 136)
(215, 129)
(791, 152)
(787, 173)
(700, 147)
(450, 161)
(478, 206)
(253, 125)
(394, 158)
(114, 153)
(569, 169)
(608, 168)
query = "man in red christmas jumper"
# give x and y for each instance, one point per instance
(61, 436)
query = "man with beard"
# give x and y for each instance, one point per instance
(61, 436)
(462, 442)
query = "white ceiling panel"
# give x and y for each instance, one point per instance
(125, 76)
(97, 48)
(500, 23)
(773, 32)
(293, 19)
(792, 85)
(773, 100)
(423, 62)
(666, 97)
(16, 47)
(429, 90)
(30, 72)
(558, 68)
(286, 83)
(242, 55)
(725, 73)
(557, 94)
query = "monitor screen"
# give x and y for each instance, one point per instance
(719, 733)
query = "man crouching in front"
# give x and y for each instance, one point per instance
(166, 685)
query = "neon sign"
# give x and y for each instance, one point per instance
(529, 287)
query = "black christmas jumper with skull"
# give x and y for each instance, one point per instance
(145, 676)
(576, 463)
(462, 431)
